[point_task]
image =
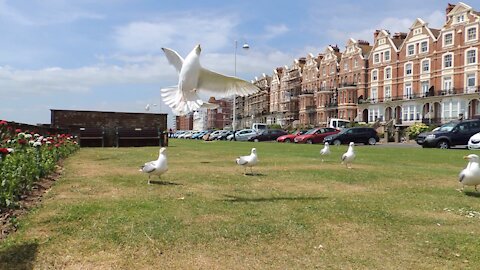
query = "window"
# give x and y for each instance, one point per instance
(388, 73)
(355, 63)
(471, 82)
(323, 71)
(376, 58)
(386, 56)
(424, 47)
(472, 33)
(374, 75)
(447, 85)
(425, 66)
(448, 39)
(408, 69)
(460, 18)
(417, 31)
(447, 61)
(387, 89)
(471, 57)
(345, 67)
(425, 87)
(331, 69)
(410, 49)
(374, 95)
(408, 91)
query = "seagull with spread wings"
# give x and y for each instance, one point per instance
(194, 79)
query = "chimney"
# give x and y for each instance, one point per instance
(363, 42)
(400, 35)
(375, 34)
(448, 9)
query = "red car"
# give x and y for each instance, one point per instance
(290, 137)
(315, 135)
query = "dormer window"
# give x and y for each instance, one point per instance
(417, 31)
(460, 18)
(381, 41)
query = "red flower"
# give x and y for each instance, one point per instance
(18, 130)
(3, 122)
(4, 151)
(22, 141)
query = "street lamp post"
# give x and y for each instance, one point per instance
(246, 47)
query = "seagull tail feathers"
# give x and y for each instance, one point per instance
(179, 104)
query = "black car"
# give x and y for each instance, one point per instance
(268, 135)
(450, 134)
(364, 135)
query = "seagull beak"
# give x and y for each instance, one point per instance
(465, 157)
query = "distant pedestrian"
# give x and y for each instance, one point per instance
(170, 133)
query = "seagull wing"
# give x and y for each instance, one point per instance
(461, 177)
(181, 102)
(344, 157)
(173, 58)
(242, 160)
(148, 167)
(224, 85)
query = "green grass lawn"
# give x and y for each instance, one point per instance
(398, 208)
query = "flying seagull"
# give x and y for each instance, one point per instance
(470, 176)
(325, 150)
(248, 161)
(194, 79)
(156, 167)
(349, 156)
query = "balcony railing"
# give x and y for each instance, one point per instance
(432, 121)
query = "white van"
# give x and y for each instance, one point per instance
(338, 123)
(259, 127)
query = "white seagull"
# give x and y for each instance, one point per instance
(194, 79)
(248, 161)
(156, 167)
(470, 176)
(325, 150)
(349, 156)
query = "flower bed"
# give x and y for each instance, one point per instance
(26, 157)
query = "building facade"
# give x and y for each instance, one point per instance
(310, 85)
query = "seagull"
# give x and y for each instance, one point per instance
(248, 161)
(470, 176)
(349, 156)
(156, 167)
(325, 150)
(194, 79)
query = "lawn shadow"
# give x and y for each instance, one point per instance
(472, 194)
(255, 174)
(18, 256)
(231, 198)
(164, 183)
(205, 162)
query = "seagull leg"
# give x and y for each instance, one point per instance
(149, 179)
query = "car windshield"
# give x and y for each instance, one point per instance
(311, 131)
(344, 131)
(447, 127)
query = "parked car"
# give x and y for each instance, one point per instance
(224, 134)
(450, 134)
(364, 135)
(267, 135)
(315, 135)
(242, 135)
(199, 134)
(288, 138)
(474, 142)
(214, 134)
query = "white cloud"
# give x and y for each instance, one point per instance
(272, 31)
(180, 32)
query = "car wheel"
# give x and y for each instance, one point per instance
(309, 141)
(287, 141)
(256, 140)
(443, 144)
(337, 142)
(372, 141)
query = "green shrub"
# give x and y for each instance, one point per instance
(415, 129)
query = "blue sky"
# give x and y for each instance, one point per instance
(106, 55)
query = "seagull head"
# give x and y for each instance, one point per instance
(198, 49)
(254, 150)
(471, 158)
(163, 150)
(351, 144)
(326, 143)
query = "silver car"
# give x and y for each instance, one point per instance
(242, 135)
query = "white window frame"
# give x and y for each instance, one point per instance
(467, 58)
(385, 54)
(385, 73)
(345, 66)
(374, 94)
(460, 18)
(467, 39)
(422, 66)
(408, 91)
(443, 39)
(421, 47)
(374, 75)
(387, 94)
(408, 49)
(443, 60)
(449, 89)
(411, 69)
(355, 62)
(470, 88)
(424, 89)
(376, 58)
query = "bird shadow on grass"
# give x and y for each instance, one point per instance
(18, 256)
(164, 183)
(254, 174)
(230, 198)
(205, 162)
(472, 194)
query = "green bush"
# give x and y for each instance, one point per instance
(415, 129)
